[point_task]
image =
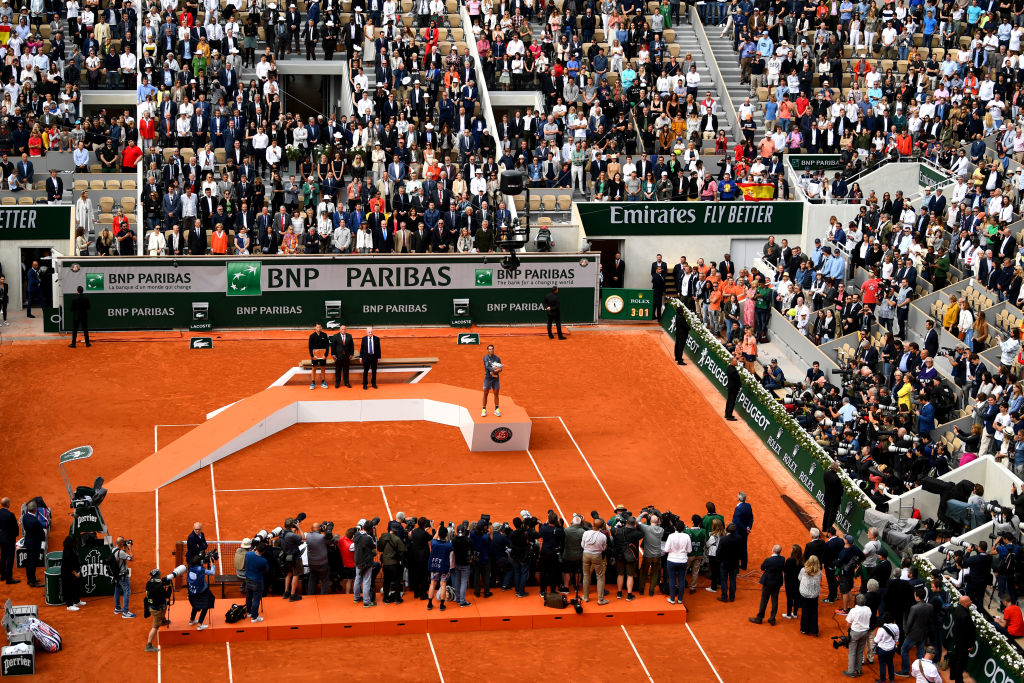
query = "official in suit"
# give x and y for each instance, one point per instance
(743, 518)
(931, 338)
(682, 326)
(771, 581)
(618, 273)
(732, 388)
(34, 534)
(80, 317)
(369, 353)
(554, 311)
(8, 535)
(342, 348)
(197, 239)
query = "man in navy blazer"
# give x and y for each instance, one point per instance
(369, 353)
(743, 518)
(771, 582)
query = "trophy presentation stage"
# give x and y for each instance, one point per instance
(257, 417)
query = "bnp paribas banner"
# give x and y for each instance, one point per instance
(619, 219)
(782, 442)
(158, 293)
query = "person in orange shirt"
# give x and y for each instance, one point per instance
(904, 143)
(748, 349)
(715, 311)
(219, 241)
(377, 204)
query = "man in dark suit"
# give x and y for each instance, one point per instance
(54, 187)
(80, 316)
(743, 518)
(618, 274)
(342, 348)
(732, 388)
(34, 534)
(682, 332)
(729, 560)
(931, 338)
(197, 239)
(771, 582)
(369, 353)
(8, 535)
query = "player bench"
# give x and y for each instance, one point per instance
(224, 580)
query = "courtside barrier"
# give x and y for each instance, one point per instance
(781, 434)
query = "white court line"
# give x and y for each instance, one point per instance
(386, 502)
(156, 443)
(156, 505)
(706, 658)
(216, 520)
(374, 486)
(580, 451)
(231, 675)
(639, 658)
(545, 484)
(436, 663)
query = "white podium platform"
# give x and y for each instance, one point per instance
(252, 419)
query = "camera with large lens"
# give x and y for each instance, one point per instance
(327, 528)
(840, 641)
(210, 556)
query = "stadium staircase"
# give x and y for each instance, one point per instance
(729, 65)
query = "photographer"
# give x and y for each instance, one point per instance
(552, 536)
(572, 556)
(650, 567)
(419, 556)
(316, 555)
(521, 543)
(290, 541)
(158, 592)
(481, 575)
(199, 594)
(462, 552)
(365, 552)
(440, 563)
(595, 544)
(392, 552)
(256, 568)
(121, 556)
(918, 620)
(979, 576)
(239, 559)
(886, 637)
(859, 619)
(627, 556)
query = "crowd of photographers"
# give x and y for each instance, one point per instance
(451, 563)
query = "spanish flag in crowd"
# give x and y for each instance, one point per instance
(5, 32)
(757, 192)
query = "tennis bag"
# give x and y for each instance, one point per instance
(45, 635)
(234, 614)
(555, 600)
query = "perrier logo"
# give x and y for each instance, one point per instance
(484, 277)
(94, 282)
(244, 278)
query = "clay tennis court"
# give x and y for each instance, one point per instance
(614, 421)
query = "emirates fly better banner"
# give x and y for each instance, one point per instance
(158, 293)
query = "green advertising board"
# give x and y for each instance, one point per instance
(158, 293)
(618, 219)
(626, 304)
(36, 222)
(816, 162)
(779, 438)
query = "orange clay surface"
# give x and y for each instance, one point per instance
(651, 431)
